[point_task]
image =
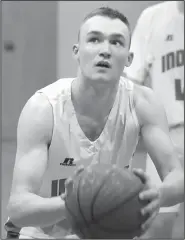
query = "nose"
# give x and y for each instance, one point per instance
(105, 50)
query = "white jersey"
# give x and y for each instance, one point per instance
(70, 147)
(158, 45)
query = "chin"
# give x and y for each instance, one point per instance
(101, 78)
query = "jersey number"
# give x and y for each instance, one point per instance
(179, 92)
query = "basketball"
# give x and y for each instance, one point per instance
(104, 203)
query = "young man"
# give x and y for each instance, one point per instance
(158, 47)
(97, 116)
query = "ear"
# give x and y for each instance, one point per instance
(75, 51)
(129, 59)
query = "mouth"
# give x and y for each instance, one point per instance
(103, 64)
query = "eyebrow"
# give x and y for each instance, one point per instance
(100, 33)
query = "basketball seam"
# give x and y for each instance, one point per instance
(112, 229)
(93, 221)
(109, 212)
(79, 205)
(115, 208)
(95, 197)
(73, 215)
(66, 206)
(77, 222)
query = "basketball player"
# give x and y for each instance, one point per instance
(158, 47)
(96, 116)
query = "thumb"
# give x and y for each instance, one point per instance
(142, 175)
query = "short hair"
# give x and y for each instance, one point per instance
(107, 12)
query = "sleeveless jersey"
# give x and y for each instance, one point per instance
(158, 46)
(158, 42)
(70, 147)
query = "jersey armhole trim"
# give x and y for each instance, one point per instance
(51, 138)
(132, 108)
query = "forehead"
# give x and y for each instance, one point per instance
(104, 25)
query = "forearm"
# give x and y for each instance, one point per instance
(32, 210)
(172, 188)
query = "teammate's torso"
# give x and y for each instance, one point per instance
(166, 47)
(71, 148)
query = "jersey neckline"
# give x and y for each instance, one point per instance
(102, 135)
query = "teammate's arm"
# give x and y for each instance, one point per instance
(155, 133)
(139, 71)
(26, 207)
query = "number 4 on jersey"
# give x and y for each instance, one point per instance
(179, 92)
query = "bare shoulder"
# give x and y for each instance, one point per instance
(36, 118)
(37, 104)
(156, 8)
(148, 107)
(144, 95)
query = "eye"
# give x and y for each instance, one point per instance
(117, 43)
(94, 40)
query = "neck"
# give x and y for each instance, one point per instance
(93, 99)
(180, 6)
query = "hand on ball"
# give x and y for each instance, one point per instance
(69, 183)
(150, 194)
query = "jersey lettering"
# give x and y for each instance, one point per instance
(172, 60)
(57, 187)
(179, 92)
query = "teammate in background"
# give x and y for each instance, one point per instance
(158, 48)
(96, 116)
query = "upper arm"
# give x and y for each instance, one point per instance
(33, 138)
(138, 70)
(155, 132)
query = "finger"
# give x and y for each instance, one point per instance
(68, 181)
(150, 208)
(63, 196)
(149, 194)
(149, 221)
(68, 186)
(141, 174)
